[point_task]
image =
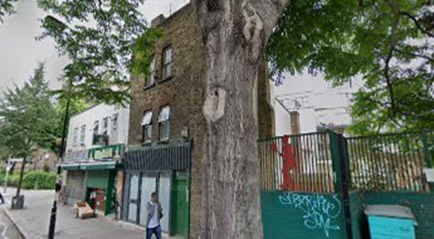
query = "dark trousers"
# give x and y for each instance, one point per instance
(2, 199)
(155, 230)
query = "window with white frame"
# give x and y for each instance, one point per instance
(115, 122)
(147, 127)
(75, 138)
(163, 122)
(167, 63)
(96, 127)
(82, 134)
(105, 126)
(150, 79)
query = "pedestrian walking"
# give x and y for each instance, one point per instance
(2, 200)
(92, 201)
(60, 189)
(155, 213)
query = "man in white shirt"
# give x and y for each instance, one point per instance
(155, 213)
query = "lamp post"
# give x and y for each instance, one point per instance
(52, 226)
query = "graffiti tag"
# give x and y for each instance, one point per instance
(320, 212)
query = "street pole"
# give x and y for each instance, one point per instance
(52, 226)
(20, 182)
(7, 175)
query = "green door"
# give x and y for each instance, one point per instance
(179, 205)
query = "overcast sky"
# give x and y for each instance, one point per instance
(20, 52)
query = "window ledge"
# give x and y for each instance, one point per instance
(167, 78)
(163, 141)
(146, 87)
(147, 143)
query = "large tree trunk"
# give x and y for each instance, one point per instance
(235, 33)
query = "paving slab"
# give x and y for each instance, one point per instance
(7, 228)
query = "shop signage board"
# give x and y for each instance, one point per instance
(429, 172)
(81, 155)
(106, 153)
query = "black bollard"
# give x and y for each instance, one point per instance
(52, 221)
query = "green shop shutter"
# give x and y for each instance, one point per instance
(97, 178)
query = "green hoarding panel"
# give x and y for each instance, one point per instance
(302, 215)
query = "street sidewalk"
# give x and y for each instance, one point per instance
(34, 219)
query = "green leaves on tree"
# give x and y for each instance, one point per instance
(99, 38)
(388, 43)
(6, 8)
(28, 116)
(31, 118)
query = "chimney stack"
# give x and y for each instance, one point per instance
(295, 122)
(158, 20)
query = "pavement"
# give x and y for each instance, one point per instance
(7, 227)
(32, 221)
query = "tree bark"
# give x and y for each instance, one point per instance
(235, 34)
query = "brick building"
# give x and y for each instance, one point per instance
(167, 126)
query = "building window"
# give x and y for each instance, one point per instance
(115, 122)
(105, 126)
(167, 63)
(147, 127)
(150, 79)
(163, 122)
(75, 139)
(82, 134)
(96, 127)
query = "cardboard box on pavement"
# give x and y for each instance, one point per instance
(83, 210)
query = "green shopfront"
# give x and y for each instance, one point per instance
(163, 169)
(98, 175)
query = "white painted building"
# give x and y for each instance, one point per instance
(110, 120)
(318, 104)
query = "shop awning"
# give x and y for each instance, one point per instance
(98, 166)
(175, 156)
(90, 166)
(72, 166)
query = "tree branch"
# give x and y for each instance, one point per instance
(415, 55)
(208, 15)
(416, 23)
(270, 11)
(394, 7)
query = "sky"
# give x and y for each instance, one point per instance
(20, 52)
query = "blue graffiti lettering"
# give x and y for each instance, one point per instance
(319, 211)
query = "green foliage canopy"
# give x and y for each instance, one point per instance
(28, 117)
(6, 8)
(32, 118)
(389, 43)
(99, 37)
